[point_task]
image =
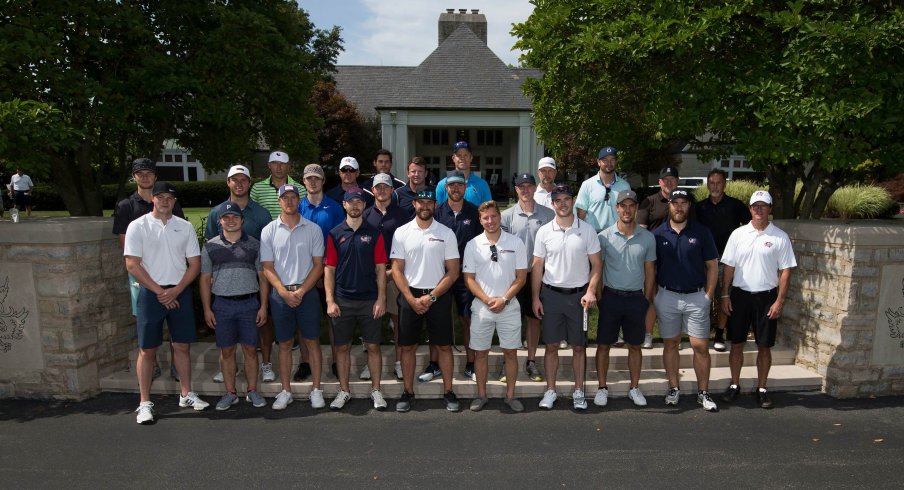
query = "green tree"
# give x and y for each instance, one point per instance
(808, 90)
(345, 132)
(220, 78)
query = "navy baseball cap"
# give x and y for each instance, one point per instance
(229, 207)
(668, 172)
(353, 193)
(426, 194)
(606, 151)
(288, 188)
(140, 164)
(561, 189)
(679, 194)
(161, 187)
(525, 179)
(455, 177)
(460, 145)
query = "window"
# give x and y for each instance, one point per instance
(436, 137)
(489, 137)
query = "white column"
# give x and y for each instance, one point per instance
(525, 142)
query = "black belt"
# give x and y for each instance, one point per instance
(627, 294)
(758, 293)
(683, 291)
(170, 286)
(292, 287)
(419, 291)
(240, 297)
(565, 290)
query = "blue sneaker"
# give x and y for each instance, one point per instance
(430, 373)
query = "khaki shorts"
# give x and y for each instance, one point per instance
(392, 298)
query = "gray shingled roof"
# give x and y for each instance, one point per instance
(461, 74)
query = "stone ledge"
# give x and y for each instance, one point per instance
(42, 231)
(876, 233)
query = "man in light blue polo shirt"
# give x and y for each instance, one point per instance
(596, 199)
(629, 279)
(477, 191)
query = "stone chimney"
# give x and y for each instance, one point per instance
(450, 20)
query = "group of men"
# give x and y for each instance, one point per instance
(281, 253)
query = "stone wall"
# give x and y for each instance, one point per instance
(845, 308)
(65, 319)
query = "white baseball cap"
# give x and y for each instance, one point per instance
(546, 162)
(761, 196)
(279, 156)
(348, 162)
(238, 169)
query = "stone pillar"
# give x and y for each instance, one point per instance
(65, 318)
(845, 308)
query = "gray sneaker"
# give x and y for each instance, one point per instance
(255, 399)
(267, 374)
(514, 404)
(228, 400)
(405, 401)
(477, 404)
(580, 402)
(451, 401)
(672, 397)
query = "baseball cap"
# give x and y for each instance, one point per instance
(668, 172)
(349, 162)
(164, 187)
(546, 162)
(353, 193)
(761, 196)
(679, 194)
(561, 189)
(229, 207)
(140, 164)
(525, 179)
(626, 194)
(460, 145)
(238, 169)
(455, 177)
(288, 188)
(279, 156)
(426, 194)
(606, 151)
(384, 179)
(314, 169)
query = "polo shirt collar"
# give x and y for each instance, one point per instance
(242, 238)
(523, 212)
(576, 224)
(301, 222)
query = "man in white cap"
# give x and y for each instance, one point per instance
(596, 198)
(266, 192)
(254, 218)
(758, 260)
(349, 171)
(546, 170)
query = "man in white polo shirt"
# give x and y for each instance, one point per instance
(162, 254)
(758, 259)
(564, 279)
(425, 264)
(292, 259)
(495, 269)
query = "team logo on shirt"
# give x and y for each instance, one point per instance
(431, 239)
(692, 241)
(466, 222)
(768, 244)
(365, 239)
(343, 239)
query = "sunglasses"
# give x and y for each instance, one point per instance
(347, 170)
(495, 253)
(608, 190)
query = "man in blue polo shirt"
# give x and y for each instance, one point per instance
(596, 198)
(254, 218)
(477, 191)
(387, 217)
(462, 217)
(355, 279)
(686, 268)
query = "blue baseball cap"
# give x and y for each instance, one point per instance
(288, 188)
(353, 193)
(606, 151)
(455, 177)
(229, 207)
(460, 145)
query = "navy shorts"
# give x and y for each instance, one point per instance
(21, 199)
(620, 310)
(305, 317)
(748, 311)
(438, 318)
(151, 314)
(525, 299)
(236, 321)
(462, 297)
(356, 312)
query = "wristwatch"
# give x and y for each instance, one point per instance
(507, 301)
(432, 298)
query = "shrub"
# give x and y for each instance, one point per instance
(859, 201)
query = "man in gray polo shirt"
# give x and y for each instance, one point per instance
(523, 220)
(629, 278)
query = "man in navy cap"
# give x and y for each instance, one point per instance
(686, 269)
(596, 198)
(477, 190)
(355, 285)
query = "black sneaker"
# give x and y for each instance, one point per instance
(451, 401)
(763, 399)
(731, 394)
(405, 402)
(469, 371)
(304, 370)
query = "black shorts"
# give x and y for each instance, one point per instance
(438, 318)
(462, 296)
(563, 317)
(525, 299)
(749, 311)
(623, 311)
(21, 199)
(356, 312)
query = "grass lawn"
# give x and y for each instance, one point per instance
(193, 215)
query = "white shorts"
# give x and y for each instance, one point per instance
(682, 312)
(506, 324)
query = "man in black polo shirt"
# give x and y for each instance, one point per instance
(355, 284)
(417, 175)
(722, 214)
(464, 220)
(348, 173)
(686, 267)
(387, 216)
(382, 165)
(654, 210)
(144, 171)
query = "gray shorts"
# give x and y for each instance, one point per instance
(506, 324)
(354, 312)
(563, 317)
(682, 312)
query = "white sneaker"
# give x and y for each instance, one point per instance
(341, 399)
(192, 400)
(283, 399)
(218, 378)
(398, 371)
(602, 397)
(563, 344)
(379, 401)
(267, 374)
(637, 397)
(365, 373)
(672, 397)
(647, 341)
(317, 398)
(145, 413)
(580, 403)
(709, 405)
(549, 399)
